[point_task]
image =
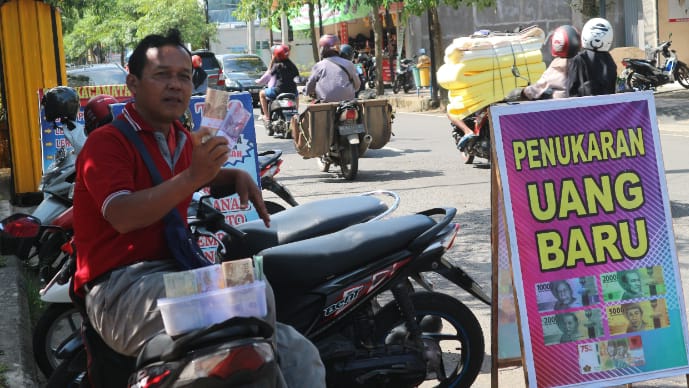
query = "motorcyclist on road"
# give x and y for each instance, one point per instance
(333, 78)
(593, 71)
(565, 43)
(279, 77)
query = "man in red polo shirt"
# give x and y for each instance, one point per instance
(122, 252)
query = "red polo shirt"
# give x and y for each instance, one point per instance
(110, 165)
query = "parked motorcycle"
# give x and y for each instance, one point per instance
(269, 163)
(404, 77)
(368, 64)
(281, 110)
(20, 233)
(648, 74)
(349, 141)
(413, 338)
(61, 320)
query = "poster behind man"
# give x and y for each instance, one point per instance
(590, 240)
(230, 111)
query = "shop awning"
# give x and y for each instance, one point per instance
(330, 16)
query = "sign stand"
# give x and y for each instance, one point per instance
(587, 289)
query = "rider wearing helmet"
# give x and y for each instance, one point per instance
(198, 75)
(280, 77)
(346, 52)
(334, 78)
(593, 71)
(97, 112)
(61, 102)
(565, 43)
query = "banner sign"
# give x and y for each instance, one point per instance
(591, 242)
(243, 154)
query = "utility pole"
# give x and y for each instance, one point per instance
(434, 81)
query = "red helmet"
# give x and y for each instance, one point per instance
(565, 42)
(281, 52)
(97, 112)
(196, 61)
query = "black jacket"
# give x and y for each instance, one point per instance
(284, 73)
(591, 73)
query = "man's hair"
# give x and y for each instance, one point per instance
(631, 306)
(137, 60)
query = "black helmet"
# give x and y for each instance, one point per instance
(61, 102)
(346, 51)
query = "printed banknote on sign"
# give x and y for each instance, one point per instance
(572, 326)
(634, 283)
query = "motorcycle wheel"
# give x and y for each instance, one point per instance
(372, 83)
(682, 74)
(269, 129)
(349, 161)
(323, 166)
(634, 83)
(467, 157)
(57, 323)
(460, 340)
(396, 86)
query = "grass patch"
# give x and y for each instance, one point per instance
(36, 305)
(3, 379)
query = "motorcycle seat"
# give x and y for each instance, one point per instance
(307, 263)
(305, 221)
(267, 157)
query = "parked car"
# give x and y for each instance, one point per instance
(96, 74)
(241, 72)
(213, 68)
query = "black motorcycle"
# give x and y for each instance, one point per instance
(404, 77)
(368, 64)
(648, 74)
(415, 337)
(281, 111)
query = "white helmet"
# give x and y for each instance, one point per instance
(597, 35)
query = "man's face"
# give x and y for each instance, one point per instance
(563, 292)
(611, 350)
(634, 316)
(163, 92)
(570, 324)
(634, 282)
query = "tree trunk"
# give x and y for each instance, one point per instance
(378, 50)
(312, 24)
(438, 54)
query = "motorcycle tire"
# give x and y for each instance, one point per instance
(682, 74)
(349, 161)
(71, 373)
(467, 157)
(269, 129)
(459, 326)
(408, 84)
(634, 83)
(57, 323)
(372, 82)
(396, 86)
(323, 166)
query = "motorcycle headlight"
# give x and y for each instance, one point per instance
(230, 83)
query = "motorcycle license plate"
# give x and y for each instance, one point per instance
(348, 129)
(289, 113)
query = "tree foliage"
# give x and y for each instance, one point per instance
(93, 28)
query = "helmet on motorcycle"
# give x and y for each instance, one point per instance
(281, 52)
(346, 51)
(328, 45)
(565, 42)
(196, 61)
(597, 35)
(97, 112)
(61, 102)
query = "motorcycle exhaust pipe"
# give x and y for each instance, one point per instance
(368, 138)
